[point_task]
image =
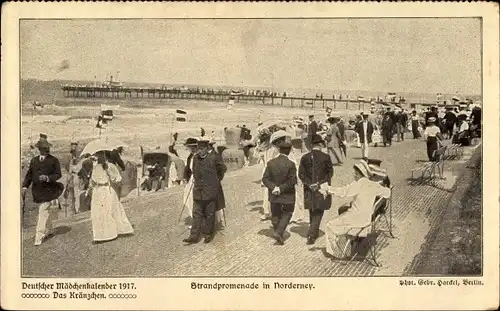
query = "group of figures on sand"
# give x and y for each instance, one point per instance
(107, 214)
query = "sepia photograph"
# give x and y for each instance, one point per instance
(334, 145)
(256, 147)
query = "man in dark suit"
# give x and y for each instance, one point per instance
(365, 132)
(312, 128)
(208, 172)
(42, 175)
(315, 169)
(341, 127)
(280, 178)
(387, 127)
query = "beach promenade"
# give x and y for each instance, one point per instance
(245, 246)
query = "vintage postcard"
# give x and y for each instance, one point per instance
(250, 156)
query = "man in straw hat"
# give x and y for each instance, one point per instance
(280, 178)
(42, 175)
(208, 170)
(361, 195)
(315, 169)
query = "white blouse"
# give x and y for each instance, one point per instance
(431, 131)
(464, 127)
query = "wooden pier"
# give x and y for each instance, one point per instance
(318, 102)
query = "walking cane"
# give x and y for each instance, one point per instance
(24, 205)
(185, 201)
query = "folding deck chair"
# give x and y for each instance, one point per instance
(380, 210)
(430, 168)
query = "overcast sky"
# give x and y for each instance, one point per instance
(400, 55)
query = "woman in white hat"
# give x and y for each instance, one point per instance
(107, 214)
(433, 136)
(361, 194)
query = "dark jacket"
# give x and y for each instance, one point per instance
(187, 168)
(44, 191)
(312, 128)
(341, 127)
(281, 172)
(450, 118)
(361, 132)
(392, 116)
(316, 167)
(208, 172)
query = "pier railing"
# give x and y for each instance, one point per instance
(263, 99)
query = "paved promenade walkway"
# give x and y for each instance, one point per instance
(245, 247)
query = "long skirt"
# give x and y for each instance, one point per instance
(266, 206)
(338, 231)
(336, 155)
(414, 129)
(187, 197)
(107, 215)
(432, 145)
(298, 212)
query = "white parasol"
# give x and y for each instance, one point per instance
(102, 144)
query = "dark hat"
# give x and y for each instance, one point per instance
(331, 119)
(42, 142)
(317, 139)
(311, 116)
(74, 143)
(284, 144)
(191, 142)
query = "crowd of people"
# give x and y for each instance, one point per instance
(295, 177)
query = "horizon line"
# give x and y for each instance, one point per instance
(258, 86)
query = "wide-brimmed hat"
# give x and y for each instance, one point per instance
(43, 142)
(374, 167)
(203, 140)
(363, 169)
(74, 143)
(432, 119)
(191, 142)
(280, 135)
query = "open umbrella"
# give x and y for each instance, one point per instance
(101, 144)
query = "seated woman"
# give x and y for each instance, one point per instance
(156, 174)
(361, 194)
(463, 132)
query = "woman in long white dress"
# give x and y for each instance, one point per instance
(298, 212)
(361, 195)
(107, 214)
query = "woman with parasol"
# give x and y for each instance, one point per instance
(107, 214)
